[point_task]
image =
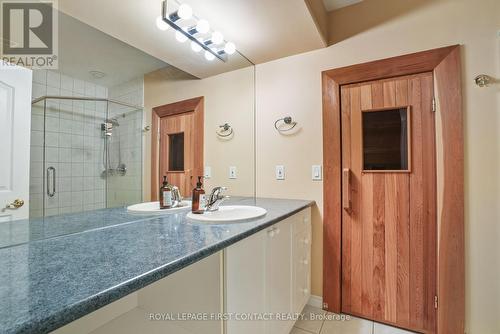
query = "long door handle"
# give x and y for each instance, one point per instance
(51, 170)
(346, 189)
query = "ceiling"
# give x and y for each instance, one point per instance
(337, 4)
(262, 30)
(83, 49)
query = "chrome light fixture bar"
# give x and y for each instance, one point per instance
(173, 19)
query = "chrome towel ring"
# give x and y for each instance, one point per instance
(224, 130)
(287, 125)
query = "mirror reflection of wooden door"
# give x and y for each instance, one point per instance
(177, 151)
(389, 201)
(178, 134)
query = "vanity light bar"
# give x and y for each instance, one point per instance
(174, 18)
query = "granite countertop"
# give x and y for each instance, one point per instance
(63, 268)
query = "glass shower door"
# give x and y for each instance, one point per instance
(72, 165)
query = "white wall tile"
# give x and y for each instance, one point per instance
(89, 89)
(65, 154)
(52, 124)
(53, 79)
(88, 197)
(66, 126)
(40, 76)
(79, 86)
(77, 169)
(64, 138)
(64, 184)
(39, 90)
(67, 83)
(77, 198)
(51, 154)
(52, 139)
(64, 169)
(77, 184)
(36, 138)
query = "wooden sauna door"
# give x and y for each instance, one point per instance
(177, 151)
(389, 202)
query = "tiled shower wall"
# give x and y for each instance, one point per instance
(74, 145)
(123, 190)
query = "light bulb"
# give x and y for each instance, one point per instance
(209, 56)
(203, 26)
(230, 48)
(195, 47)
(180, 37)
(162, 25)
(185, 12)
(217, 38)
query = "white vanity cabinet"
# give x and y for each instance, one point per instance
(269, 274)
(265, 274)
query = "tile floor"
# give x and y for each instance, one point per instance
(317, 321)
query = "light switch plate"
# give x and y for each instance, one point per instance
(232, 172)
(208, 172)
(280, 172)
(317, 172)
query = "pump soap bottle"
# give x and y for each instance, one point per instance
(199, 198)
(165, 195)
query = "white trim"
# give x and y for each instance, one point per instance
(315, 301)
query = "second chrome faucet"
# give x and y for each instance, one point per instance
(216, 198)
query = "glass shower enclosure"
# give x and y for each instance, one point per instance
(86, 154)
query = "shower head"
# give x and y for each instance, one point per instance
(113, 121)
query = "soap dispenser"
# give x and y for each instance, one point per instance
(199, 198)
(165, 195)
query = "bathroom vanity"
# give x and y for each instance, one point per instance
(160, 274)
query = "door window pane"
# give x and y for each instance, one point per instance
(176, 152)
(385, 139)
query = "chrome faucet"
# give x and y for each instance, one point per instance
(216, 198)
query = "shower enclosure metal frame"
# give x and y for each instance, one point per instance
(51, 170)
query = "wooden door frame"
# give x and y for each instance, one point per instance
(446, 67)
(195, 105)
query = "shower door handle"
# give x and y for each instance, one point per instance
(51, 170)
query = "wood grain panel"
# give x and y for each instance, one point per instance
(430, 203)
(366, 217)
(356, 224)
(416, 209)
(403, 226)
(379, 282)
(346, 229)
(378, 224)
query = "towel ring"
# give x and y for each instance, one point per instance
(286, 121)
(224, 130)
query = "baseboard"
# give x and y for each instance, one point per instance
(315, 301)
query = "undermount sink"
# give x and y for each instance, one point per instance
(154, 208)
(229, 213)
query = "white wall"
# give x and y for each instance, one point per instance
(292, 86)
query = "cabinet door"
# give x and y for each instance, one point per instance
(245, 282)
(279, 275)
(301, 267)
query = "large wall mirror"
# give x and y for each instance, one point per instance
(92, 132)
